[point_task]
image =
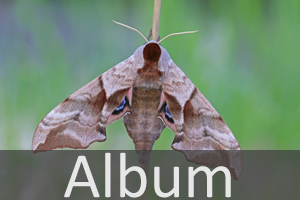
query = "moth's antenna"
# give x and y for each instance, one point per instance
(181, 33)
(131, 29)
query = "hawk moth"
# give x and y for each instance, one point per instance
(150, 92)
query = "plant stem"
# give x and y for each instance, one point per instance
(156, 18)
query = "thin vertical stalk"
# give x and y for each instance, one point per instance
(156, 18)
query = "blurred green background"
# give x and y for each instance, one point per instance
(244, 59)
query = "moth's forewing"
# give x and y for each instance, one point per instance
(197, 125)
(82, 117)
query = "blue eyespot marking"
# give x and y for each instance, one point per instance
(168, 114)
(121, 107)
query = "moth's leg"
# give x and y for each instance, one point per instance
(150, 34)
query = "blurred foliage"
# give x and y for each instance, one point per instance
(245, 60)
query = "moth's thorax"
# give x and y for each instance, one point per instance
(149, 75)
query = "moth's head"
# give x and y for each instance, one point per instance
(152, 51)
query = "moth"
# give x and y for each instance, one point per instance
(150, 92)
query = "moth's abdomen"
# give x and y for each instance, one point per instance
(143, 124)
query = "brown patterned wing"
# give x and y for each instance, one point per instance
(198, 126)
(82, 117)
